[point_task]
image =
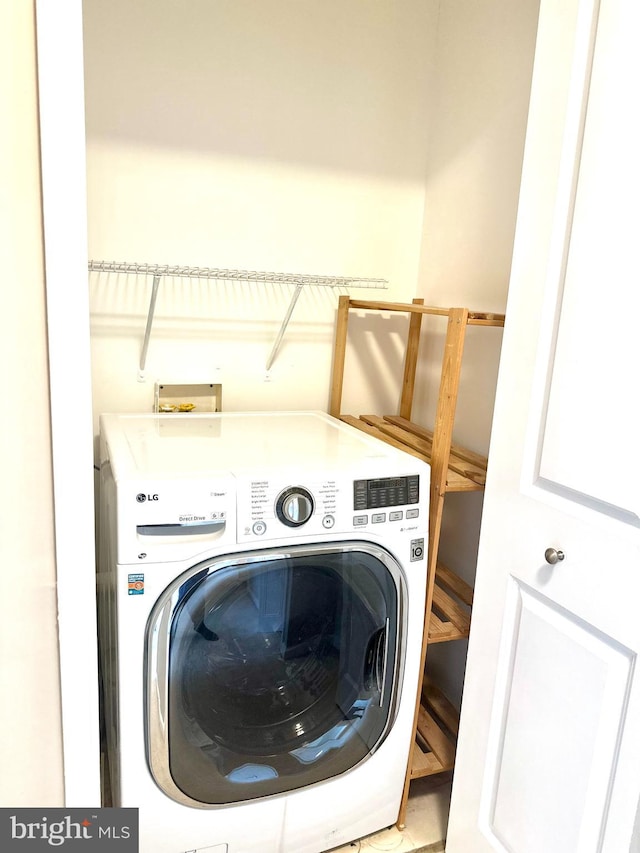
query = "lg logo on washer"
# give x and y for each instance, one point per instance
(141, 498)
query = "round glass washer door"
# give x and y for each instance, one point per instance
(272, 670)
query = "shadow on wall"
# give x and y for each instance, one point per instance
(478, 378)
(333, 84)
(376, 346)
(374, 363)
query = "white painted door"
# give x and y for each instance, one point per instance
(549, 751)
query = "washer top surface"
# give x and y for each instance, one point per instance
(197, 444)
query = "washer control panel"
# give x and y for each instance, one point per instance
(270, 508)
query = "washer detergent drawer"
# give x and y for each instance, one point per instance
(272, 670)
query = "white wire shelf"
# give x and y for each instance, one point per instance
(236, 275)
(298, 280)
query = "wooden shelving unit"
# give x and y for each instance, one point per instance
(453, 469)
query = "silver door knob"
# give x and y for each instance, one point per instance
(552, 556)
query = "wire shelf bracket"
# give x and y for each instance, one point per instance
(158, 271)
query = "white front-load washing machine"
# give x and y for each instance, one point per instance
(261, 590)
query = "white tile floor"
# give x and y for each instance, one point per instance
(426, 825)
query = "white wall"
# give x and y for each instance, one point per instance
(30, 722)
(279, 136)
(483, 62)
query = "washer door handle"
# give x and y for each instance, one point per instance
(376, 660)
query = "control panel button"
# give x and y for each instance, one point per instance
(413, 513)
(378, 517)
(328, 521)
(259, 528)
(396, 515)
(360, 520)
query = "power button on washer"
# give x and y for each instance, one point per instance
(259, 527)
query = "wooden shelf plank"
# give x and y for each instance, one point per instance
(450, 617)
(446, 634)
(434, 747)
(438, 627)
(451, 610)
(435, 699)
(424, 763)
(399, 433)
(361, 424)
(458, 462)
(403, 307)
(434, 750)
(461, 476)
(459, 451)
(476, 318)
(453, 582)
(458, 483)
(443, 749)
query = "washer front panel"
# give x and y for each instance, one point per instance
(272, 670)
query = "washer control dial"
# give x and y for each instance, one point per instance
(294, 506)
